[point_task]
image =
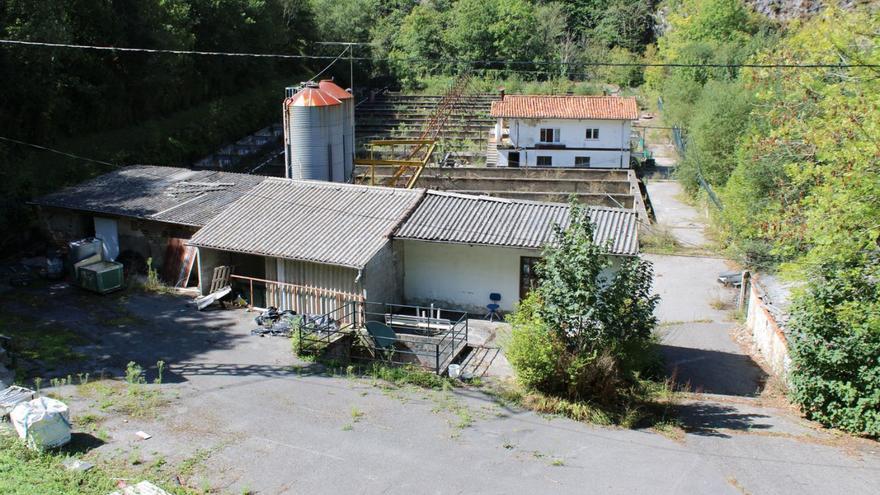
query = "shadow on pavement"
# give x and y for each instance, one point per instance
(714, 372)
(711, 418)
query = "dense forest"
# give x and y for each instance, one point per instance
(793, 156)
(124, 107)
(790, 153)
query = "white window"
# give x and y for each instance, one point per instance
(581, 161)
(592, 133)
(545, 161)
(549, 135)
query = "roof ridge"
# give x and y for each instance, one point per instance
(330, 184)
(486, 197)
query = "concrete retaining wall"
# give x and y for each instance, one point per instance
(768, 338)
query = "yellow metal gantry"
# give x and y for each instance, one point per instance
(413, 163)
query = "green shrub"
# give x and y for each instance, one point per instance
(835, 349)
(585, 332)
(532, 349)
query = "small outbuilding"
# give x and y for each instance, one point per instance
(458, 249)
(142, 211)
(309, 245)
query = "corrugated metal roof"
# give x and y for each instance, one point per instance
(166, 194)
(566, 107)
(467, 219)
(322, 222)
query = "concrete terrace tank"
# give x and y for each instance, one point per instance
(328, 86)
(313, 135)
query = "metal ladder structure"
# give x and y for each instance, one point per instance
(409, 168)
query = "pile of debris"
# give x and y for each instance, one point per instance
(276, 323)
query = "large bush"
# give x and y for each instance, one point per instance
(835, 349)
(586, 328)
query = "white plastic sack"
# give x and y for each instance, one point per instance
(42, 423)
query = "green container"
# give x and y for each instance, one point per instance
(101, 277)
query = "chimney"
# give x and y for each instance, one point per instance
(501, 92)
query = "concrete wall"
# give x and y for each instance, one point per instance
(458, 276)
(461, 276)
(610, 150)
(767, 336)
(147, 238)
(382, 278)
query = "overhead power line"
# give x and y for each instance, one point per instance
(330, 64)
(440, 60)
(59, 152)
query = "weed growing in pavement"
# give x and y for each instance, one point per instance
(160, 366)
(720, 303)
(356, 414)
(659, 239)
(134, 374)
(133, 398)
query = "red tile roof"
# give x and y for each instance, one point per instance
(566, 107)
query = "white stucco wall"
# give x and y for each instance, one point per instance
(461, 276)
(614, 135)
(458, 276)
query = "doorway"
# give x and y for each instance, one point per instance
(528, 278)
(513, 159)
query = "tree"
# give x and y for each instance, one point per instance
(586, 329)
(419, 43)
(470, 35)
(713, 134)
(582, 302)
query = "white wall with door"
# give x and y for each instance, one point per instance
(461, 276)
(565, 158)
(567, 143)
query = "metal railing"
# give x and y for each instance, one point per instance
(427, 337)
(300, 298)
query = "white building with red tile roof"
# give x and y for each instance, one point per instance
(563, 131)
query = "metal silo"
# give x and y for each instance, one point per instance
(313, 128)
(328, 86)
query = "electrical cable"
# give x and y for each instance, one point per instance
(52, 150)
(440, 59)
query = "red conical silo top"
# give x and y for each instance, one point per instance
(312, 97)
(333, 89)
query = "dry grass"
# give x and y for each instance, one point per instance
(659, 238)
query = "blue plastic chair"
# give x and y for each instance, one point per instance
(493, 307)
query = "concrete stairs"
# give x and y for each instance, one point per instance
(398, 116)
(479, 360)
(492, 153)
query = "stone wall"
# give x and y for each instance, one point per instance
(763, 321)
(146, 238)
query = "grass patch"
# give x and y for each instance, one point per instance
(30, 472)
(133, 400)
(400, 375)
(643, 405)
(46, 343)
(659, 239)
(356, 414)
(720, 303)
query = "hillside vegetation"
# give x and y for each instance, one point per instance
(794, 157)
